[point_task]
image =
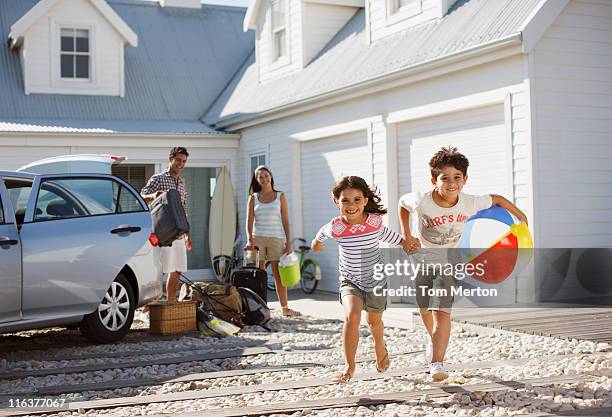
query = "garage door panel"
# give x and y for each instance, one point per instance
(324, 161)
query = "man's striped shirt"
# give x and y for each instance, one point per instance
(358, 248)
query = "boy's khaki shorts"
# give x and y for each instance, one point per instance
(443, 300)
(270, 248)
(371, 302)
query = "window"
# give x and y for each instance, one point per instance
(79, 197)
(1, 213)
(257, 160)
(19, 193)
(75, 54)
(402, 9)
(279, 31)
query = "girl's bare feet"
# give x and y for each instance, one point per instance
(383, 364)
(345, 375)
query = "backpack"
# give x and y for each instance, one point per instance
(254, 308)
(220, 300)
(169, 218)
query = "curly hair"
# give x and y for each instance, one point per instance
(448, 156)
(358, 183)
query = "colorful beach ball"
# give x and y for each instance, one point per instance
(496, 244)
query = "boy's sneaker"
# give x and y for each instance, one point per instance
(428, 353)
(437, 372)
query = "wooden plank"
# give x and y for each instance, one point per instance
(302, 383)
(29, 343)
(192, 349)
(163, 361)
(377, 399)
(115, 384)
(485, 319)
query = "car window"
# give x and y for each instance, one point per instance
(1, 213)
(19, 193)
(127, 201)
(78, 197)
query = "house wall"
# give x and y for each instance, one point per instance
(278, 137)
(320, 22)
(41, 48)
(263, 44)
(17, 150)
(572, 66)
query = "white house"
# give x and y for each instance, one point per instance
(124, 77)
(317, 89)
(374, 88)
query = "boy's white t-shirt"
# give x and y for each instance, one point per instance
(441, 227)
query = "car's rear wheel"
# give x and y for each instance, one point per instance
(113, 317)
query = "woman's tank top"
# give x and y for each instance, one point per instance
(268, 220)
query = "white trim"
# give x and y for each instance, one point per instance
(482, 54)
(337, 129)
(141, 140)
(251, 16)
(509, 144)
(538, 22)
(297, 208)
(392, 174)
(472, 101)
(532, 155)
(121, 79)
(19, 28)
(348, 3)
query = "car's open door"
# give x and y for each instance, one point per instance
(10, 261)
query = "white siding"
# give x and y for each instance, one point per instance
(320, 23)
(263, 44)
(324, 161)
(42, 52)
(573, 119)
(276, 137)
(382, 23)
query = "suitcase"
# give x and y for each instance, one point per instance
(169, 219)
(251, 277)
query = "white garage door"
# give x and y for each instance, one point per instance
(324, 161)
(479, 134)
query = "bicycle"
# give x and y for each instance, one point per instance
(309, 269)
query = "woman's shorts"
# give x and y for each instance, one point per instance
(270, 248)
(371, 302)
(441, 285)
(174, 258)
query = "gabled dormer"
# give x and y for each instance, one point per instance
(290, 33)
(72, 47)
(386, 17)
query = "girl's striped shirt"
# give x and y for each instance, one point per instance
(359, 249)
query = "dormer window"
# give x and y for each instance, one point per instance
(75, 53)
(279, 29)
(398, 10)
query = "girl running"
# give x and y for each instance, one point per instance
(358, 231)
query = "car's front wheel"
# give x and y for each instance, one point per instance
(113, 317)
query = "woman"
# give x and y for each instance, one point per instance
(267, 226)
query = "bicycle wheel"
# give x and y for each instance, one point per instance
(309, 282)
(270, 283)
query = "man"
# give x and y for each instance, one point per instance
(173, 258)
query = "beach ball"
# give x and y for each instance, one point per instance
(495, 244)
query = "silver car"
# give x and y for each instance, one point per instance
(74, 248)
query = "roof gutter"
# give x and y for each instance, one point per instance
(377, 83)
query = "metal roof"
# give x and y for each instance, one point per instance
(184, 59)
(107, 126)
(349, 60)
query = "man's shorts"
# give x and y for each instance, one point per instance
(442, 285)
(371, 302)
(270, 248)
(174, 258)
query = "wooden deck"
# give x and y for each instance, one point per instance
(593, 323)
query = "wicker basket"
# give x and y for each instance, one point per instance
(172, 318)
